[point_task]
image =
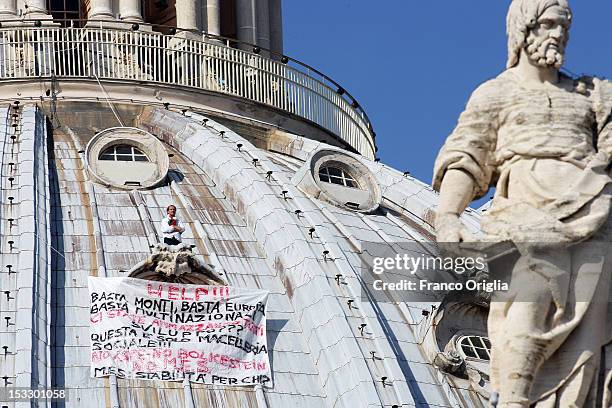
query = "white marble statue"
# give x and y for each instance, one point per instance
(544, 141)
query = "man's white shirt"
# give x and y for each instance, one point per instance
(168, 231)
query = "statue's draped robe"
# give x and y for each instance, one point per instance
(547, 150)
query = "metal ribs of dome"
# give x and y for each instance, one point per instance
(150, 58)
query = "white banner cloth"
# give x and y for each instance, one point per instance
(149, 330)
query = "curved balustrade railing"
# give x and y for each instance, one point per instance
(115, 54)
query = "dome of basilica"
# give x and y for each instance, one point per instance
(274, 175)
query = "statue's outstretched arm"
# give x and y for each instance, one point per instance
(456, 192)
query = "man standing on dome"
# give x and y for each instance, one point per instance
(172, 227)
(544, 140)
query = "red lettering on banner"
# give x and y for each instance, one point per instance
(253, 328)
(154, 292)
(173, 293)
(177, 293)
(183, 297)
(159, 352)
(200, 292)
(172, 362)
(137, 319)
(116, 313)
(112, 314)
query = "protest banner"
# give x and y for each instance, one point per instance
(148, 330)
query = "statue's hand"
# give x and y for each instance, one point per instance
(451, 232)
(449, 228)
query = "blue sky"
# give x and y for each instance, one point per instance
(413, 64)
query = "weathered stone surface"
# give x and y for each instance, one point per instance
(175, 264)
(543, 140)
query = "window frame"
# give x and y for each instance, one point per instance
(345, 178)
(67, 15)
(483, 344)
(133, 154)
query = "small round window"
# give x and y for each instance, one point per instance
(343, 180)
(477, 347)
(123, 152)
(127, 158)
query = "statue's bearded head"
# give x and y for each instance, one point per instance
(541, 28)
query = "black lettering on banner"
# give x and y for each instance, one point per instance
(234, 341)
(106, 371)
(104, 296)
(135, 332)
